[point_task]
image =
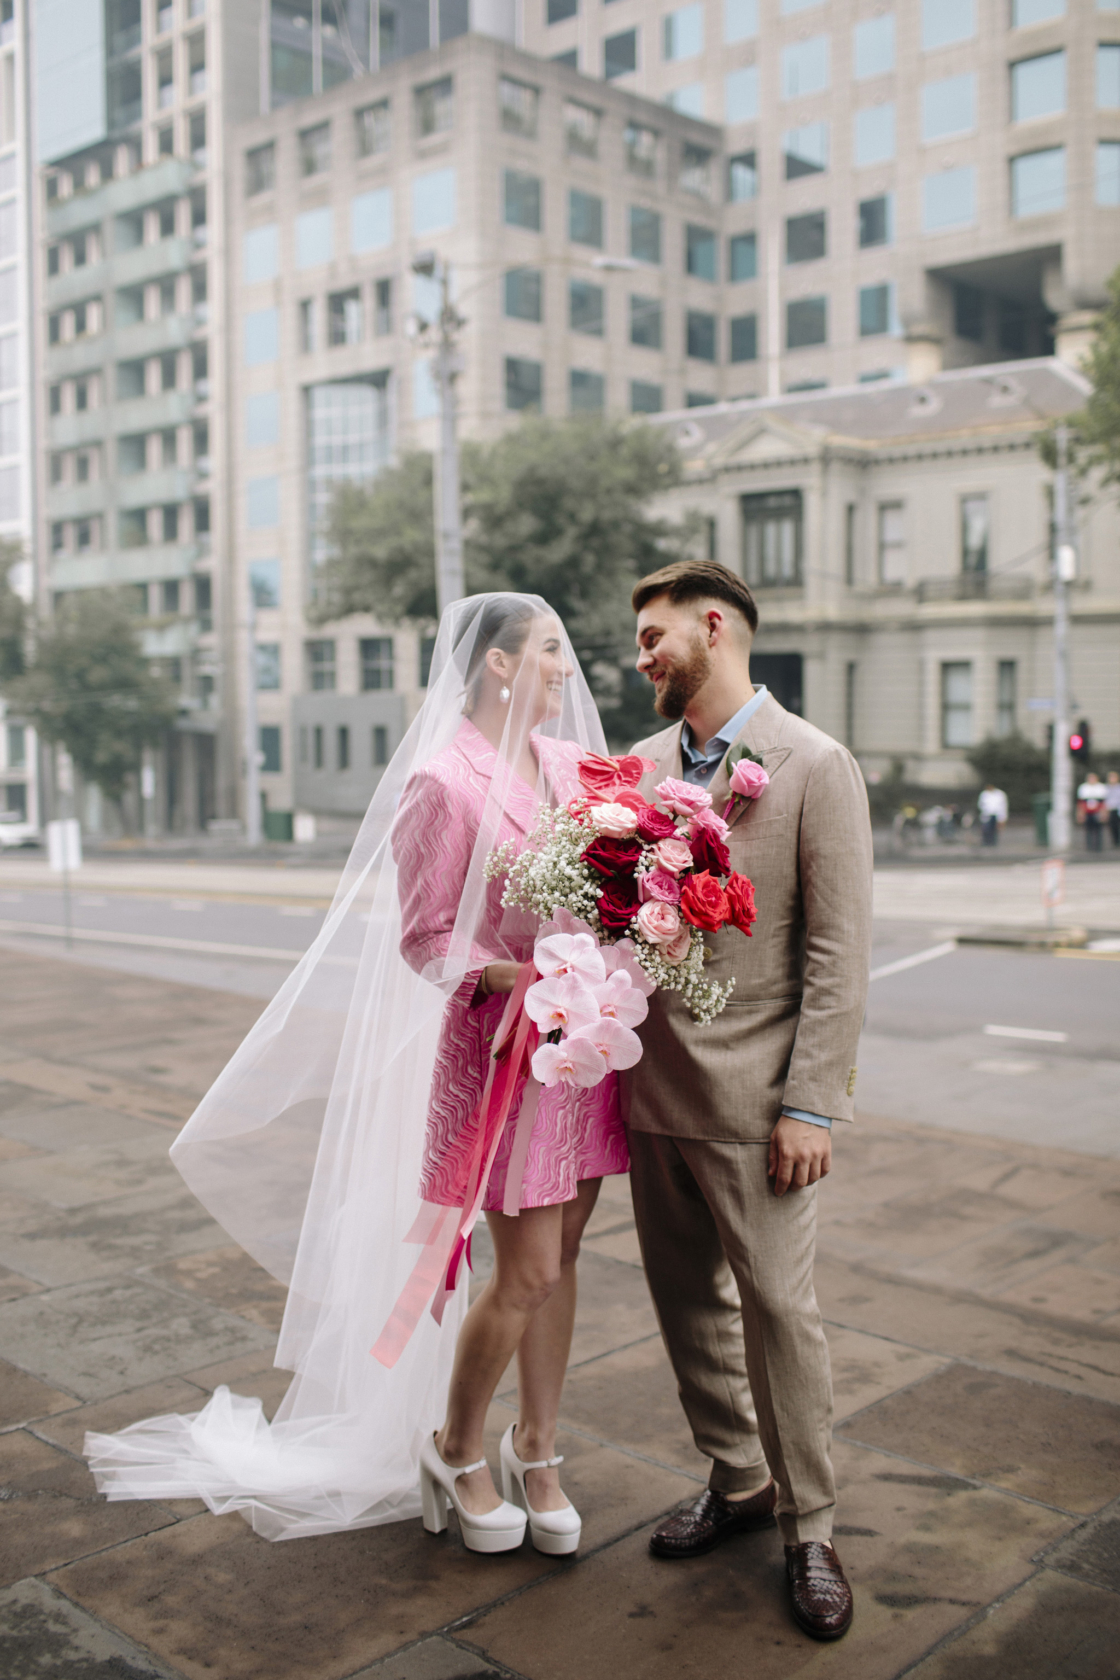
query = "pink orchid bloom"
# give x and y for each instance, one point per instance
(615, 1044)
(561, 1003)
(623, 954)
(621, 1001)
(563, 921)
(570, 953)
(574, 1061)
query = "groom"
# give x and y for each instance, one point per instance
(729, 1123)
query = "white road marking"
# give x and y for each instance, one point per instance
(1006, 1067)
(298, 910)
(912, 962)
(1028, 1032)
(1103, 945)
(187, 904)
(153, 941)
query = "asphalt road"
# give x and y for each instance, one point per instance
(1007, 1044)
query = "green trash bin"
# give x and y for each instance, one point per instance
(277, 825)
(1040, 805)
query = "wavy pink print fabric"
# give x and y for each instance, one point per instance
(576, 1134)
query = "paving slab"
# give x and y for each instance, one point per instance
(1051, 1629)
(46, 1122)
(73, 1178)
(1092, 1552)
(97, 1339)
(433, 1659)
(104, 1238)
(227, 1277)
(24, 1398)
(43, 1636)
(1074, 1291)
(1063, 1449)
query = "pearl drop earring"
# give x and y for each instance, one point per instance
(503, 695)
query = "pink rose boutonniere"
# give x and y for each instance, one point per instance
(748, 781)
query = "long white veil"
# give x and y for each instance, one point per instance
(309, 1147)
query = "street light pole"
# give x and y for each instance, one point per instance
(450, 582)
(1064, 571)
(252, 737)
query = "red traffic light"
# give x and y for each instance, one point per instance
(1076, 742)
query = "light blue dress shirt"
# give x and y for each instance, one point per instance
(700, 765)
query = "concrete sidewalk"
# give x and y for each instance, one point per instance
(972, 1294)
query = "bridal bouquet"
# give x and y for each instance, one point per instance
(626, 890)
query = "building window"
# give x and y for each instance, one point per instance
(314, 237)
(620, 54)
(949, 199)
(850, 544)
(742, 177)
(974, 534)
(1038, 87)
(522, 197)
(379, 747)
(1108, 173)
(948, 107)
(308, 335)
(557, 10)
(585, 307)
(343, 746)
(585, 218)
(426, 651)
(875, 310)
(873, 137)
(17, 746)
(1108, 78)
(1038, 182)
(641, 150)
(264, 583)
(1006, 697)
(382, 307)
(682, 33)
(742, 256)
(806, 237)
(371, 129)
(203, 603)
(318, 756)
(524, 383)
(519, 105)
(744, 338)
(805, 150)
(806, 322)
(315, 149)
(321, 666)
(645, 234)
(581, 129)
(262, 340)
(645, 398)
(804, 67)
(344, 317)
(523, 294)
(740, 95)
(433, 201)
(268, 665)
(1026, 12)
(348, 439)
(700, 252)
(586, 391)
(269, 741)
(876, 221)
(645, 322)
(696, 170)
(700, 335)
(433, 106)
(892, 543)
(956, 704)
(376, 655)
(772, 537)
(873, 47)
(947, 21)
(132, 529)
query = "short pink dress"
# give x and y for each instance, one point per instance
(576, 1134)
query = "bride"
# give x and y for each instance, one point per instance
(342, 1147)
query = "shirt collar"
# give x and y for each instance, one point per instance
(718, 743)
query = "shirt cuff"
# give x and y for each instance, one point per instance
(803, 1114)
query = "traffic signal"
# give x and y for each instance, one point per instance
(1079, 742)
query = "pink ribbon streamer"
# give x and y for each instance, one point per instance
(445, 1232)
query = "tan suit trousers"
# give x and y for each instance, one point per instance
(730, 1269)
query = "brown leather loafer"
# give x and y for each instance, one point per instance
(822, 1598)
(711, 1519)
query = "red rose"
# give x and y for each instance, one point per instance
(704, 902)
(600, 776)
(655, 825)
(740, 902)
(631, 769)
(710, 852)
(612, 857)
(618, 903)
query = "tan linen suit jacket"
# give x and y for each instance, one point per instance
(790, 1029)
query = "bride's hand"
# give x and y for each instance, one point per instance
(499, 977)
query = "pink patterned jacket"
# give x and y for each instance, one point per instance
(576, 1134)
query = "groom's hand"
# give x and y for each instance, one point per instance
(800, 1154)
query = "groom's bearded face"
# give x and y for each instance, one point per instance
(685, 675)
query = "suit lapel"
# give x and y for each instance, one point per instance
(760, 736)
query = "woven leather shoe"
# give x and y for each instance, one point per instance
(822, 1598)
(711, 1519)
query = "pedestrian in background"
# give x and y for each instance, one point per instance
(1091, 802)
(993, 812)
(1112, 805)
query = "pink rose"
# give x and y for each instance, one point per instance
(658, 883)
(708, 820)
(658, 922)
(748, 779)
(678, 947)
(683, 798)
(672, 855)
(614, 822)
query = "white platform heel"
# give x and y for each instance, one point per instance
(554, 1532)
(490, 1531)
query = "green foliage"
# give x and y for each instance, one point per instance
(91, 689)
(13, 625)
(1095, 430)
(554, 508)
(1014, 764)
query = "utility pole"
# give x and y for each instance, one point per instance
(1064, 571)
(450, 583)
(252, 738)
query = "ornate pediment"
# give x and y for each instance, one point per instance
(764, 437)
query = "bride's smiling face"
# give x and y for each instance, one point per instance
(538, 673)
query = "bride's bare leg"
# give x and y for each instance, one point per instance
(542, 1357)
(527, 1268)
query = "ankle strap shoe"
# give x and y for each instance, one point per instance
(500, 1530)
(553, 1532)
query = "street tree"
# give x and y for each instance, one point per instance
(90, 689)
(13, 615)
(1097, 427)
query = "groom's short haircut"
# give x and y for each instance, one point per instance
(697, 580)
